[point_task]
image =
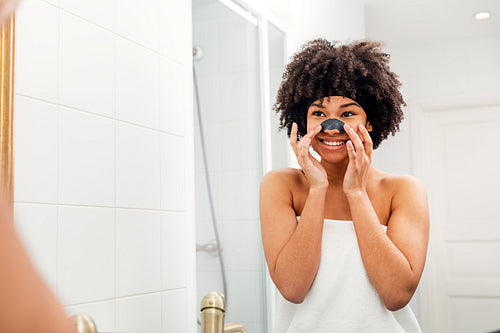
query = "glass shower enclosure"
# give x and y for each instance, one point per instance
(234, 143)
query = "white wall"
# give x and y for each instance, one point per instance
(330, 19)
(434, 71)
(104, 158)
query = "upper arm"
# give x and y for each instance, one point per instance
(277, 216)
(408, 225)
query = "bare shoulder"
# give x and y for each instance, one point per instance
(285, 177)
(406, 187)
(408, 198)
(398, 185)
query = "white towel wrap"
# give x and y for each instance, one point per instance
(342, 298)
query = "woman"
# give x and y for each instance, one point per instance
(345, 243)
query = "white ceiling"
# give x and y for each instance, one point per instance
(415, 21)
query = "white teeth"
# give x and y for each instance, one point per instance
(334, 143)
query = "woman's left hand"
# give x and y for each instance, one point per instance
(360, 149)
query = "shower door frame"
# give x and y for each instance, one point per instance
(261, 21)
(266, 116)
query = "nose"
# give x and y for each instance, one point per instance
(332, 126)
(332, 131)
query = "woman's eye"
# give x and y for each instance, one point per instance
(347, 114)
(318, 113)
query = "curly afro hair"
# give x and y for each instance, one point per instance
(359, 71)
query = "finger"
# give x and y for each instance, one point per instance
(312, 133)
(304, 148)
(304, 143)
(293, 138)
(367, 140)
(350, 151)
(356, 141)
(303, 151)
(309, 136)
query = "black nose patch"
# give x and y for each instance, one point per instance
(331, 124)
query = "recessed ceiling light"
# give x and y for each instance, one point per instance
(482, 15)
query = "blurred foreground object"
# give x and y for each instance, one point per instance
(7, 7)
(7, 100)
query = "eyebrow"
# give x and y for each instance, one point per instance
(343, 106)
(318, 105)
(349, 104)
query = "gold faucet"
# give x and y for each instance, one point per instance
(83, 324)
(212, 310)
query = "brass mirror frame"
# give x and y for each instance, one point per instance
(7, 111)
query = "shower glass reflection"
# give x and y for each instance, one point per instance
(227, 180)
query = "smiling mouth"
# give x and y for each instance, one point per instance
(333, 143)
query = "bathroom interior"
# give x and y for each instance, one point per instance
(141, 131)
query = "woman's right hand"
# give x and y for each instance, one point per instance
(313, 170)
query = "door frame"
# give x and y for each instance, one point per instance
(428, 306)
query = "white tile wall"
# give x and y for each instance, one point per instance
(241, 145)
(37, 76)
(86, 159)
(174, 255)
(209, 91)
(36, 141)
(212, 136)
(137, 167)
(100, 12)
(139, 21)
(37, 227)
(86, 254)
(203, 209)
(138, 252)
(137, 84)
(171, 98)
(174, 311)
(209, 281)
(86, 77)
(243, 243)
(173, 165)
(236, 97)
(175, 46)
(233, 183)
(140, 314)
(104, 156)
(247, 288)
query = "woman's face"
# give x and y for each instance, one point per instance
(331, 144)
